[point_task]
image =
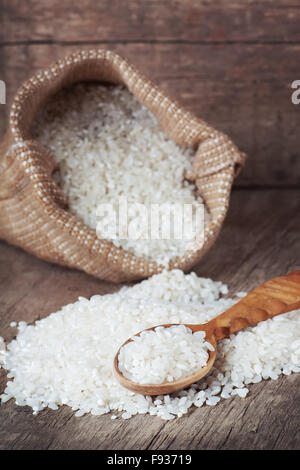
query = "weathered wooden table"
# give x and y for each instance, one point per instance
(260, 239)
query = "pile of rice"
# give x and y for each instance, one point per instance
(67, 358)
(108, 146)
(164, 355)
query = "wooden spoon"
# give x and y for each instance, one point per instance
(277, 296)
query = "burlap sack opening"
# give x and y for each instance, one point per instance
(33, 210)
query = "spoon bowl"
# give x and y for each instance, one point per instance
(275, 297)
(168, 387)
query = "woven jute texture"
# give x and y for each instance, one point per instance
(33, 210)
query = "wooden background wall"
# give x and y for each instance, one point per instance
(231, 62)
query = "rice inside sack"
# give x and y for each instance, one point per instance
(109, 147)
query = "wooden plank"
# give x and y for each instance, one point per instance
(254, 245)
(150, 20)
(249, 63)
(243, 90)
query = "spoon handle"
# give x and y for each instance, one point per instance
(277, 296)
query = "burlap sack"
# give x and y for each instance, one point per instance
(33, 210)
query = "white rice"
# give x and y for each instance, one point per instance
(108, 147)
(67, 358)
(143, 360)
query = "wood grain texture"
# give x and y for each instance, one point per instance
(150, 20)
(254, 245)
(243, 90)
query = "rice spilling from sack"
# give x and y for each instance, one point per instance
(109, 147)
(164, 355)
(67, 358)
